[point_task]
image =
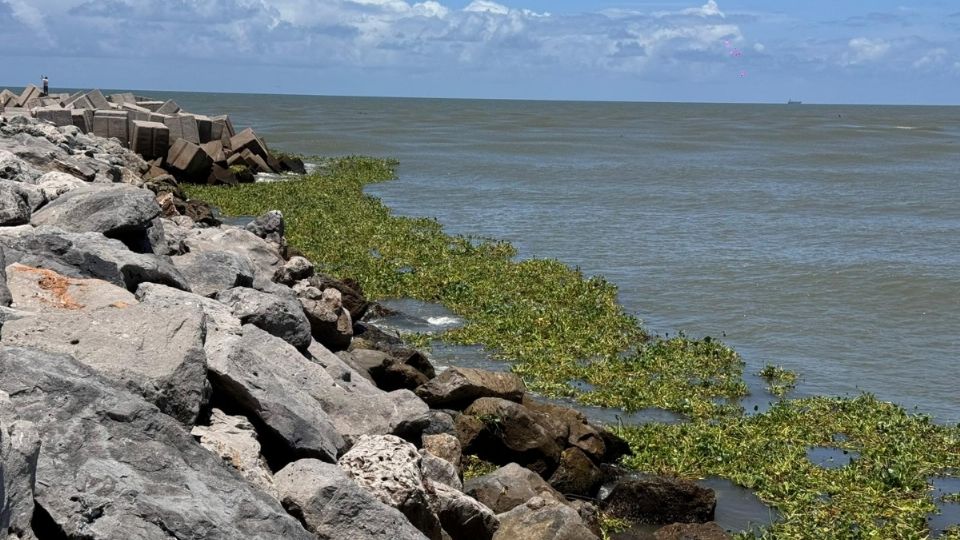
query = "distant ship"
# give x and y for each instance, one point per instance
(792, 102)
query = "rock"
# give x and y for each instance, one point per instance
(576, 474)
(459, 387)
(211, 272)
(350, 293)
(444, 446)
(234, 439)
(568, 427)
(332, 506)
(154, 350)
(509, 487)
(329, 322)
(295, 269)
(691, 531)
(269, 226)
(432, 422)
(14, 209)
(54, 184)
(590, 515)
(462, 517)
(112, 466)
(388, 372)
(265, 377)
(655, 499)
(542, 519)
(282, 317)
(19, 452)
(114, 211)
(614, 447)
(508, 433)
(87, 255)
(439, 471)
(263, 256)
(389, 468)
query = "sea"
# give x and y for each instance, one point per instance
(823, 238)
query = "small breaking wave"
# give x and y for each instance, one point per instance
(443, 321)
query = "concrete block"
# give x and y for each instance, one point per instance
(169, 107)
(98, 101)
(150, 139)
(226, 125)
(189, 161)
(183, 126)
(82, 118)
(214, 149)
(255, 162)
(112, 124)
(151, 104)
(6, 96)
(248, 140)
(82, 102)
(205, 128)
(29, 93)
(70, 100)
(120, 99)
(57, 116)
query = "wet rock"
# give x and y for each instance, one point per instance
(265, 377)
(462, 517)
(542, 519)
(234, 439)
(282, 317)
(330, 323)
(691, 531)
(114, 211)
(14, 209)
(389, 468)
(459, 387)
(154, 350)
(87, 255)
(444, 446)
(509, 487)
(102, 445)
(19, 452)
(333, 506)
(655, 499)
(210, 272)
(502, 431)
(576, 474)
(614, 447)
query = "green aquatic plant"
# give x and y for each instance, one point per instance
(779, 379)
(610, 525)
(567, 335)
(474, 467)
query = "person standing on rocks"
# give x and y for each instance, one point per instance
(46, 86)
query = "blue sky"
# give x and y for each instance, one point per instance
(827, 51)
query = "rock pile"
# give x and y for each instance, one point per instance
(162, 375)
(192, 147)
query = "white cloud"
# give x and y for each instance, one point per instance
(486, 6)
(710, 9)
(863, 50)
(931, 58)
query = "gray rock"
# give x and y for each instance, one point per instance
(111, 210)
(282, 317)
(40, 290)
(269, 226)
(209, 272)
(156, 351)
(459, 387)
(444, 446)
(542, 519)
(54, 184)
(14, 168)
(432, 422)
(508, 487)
(87, 255)
(576, 474)
(502, 431)
(19, 451)
(272, 382)
(333, 506)
(263, 256)
(113, 466)
(234, 439)
(462, 517)
(389, 468)
(330, 323)
(295, 269)
(14, 209)
(439, 471)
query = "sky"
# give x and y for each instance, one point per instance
(823, 51)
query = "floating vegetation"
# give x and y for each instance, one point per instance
(556, 326)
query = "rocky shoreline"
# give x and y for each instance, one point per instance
(163, 375)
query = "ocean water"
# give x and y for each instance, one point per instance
(822, 238)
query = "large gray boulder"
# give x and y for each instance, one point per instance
(19, 451)
(459, 387)
(508, 487)
(111, 210)
(210, 272)
(87, 255)
(389, 468)
(264, 256)
(333, 506)
(273, 383)
(278, 315)
(462, 517)
(269, 226)
(113, 466)
(542, 519)
(156, 351)
(14, 209)
(54, 184)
